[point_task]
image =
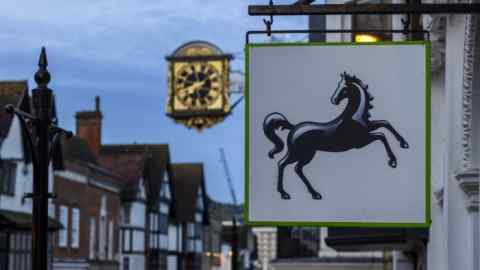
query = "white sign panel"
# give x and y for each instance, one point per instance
(338, 134)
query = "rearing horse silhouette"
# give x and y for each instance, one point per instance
(351, 129)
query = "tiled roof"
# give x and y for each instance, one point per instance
(187, 178)
(76, 149)
(80, 159)
(136, 161)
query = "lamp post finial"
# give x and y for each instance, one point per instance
(42, 76)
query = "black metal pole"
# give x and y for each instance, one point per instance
(42, 104)
(41, 140)
(234, 244)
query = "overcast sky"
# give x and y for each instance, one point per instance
(116, 49)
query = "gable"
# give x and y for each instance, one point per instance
(12, 146)
(187, 180)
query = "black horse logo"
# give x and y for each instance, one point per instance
(351, 129)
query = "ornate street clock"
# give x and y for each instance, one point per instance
(198, 80)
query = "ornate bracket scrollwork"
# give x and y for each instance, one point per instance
(469, 183)
(467, 95)
(468, 174)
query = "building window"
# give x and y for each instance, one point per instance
(126, 235)
(110, 240)
(163, 224)
(62, 234)
(103, 244)
(138, 241)
(163, 231)
(103, 238)
(194, 237)
(75, 232)
(20, 249)
(93, 238)
(153, 227)
(158, 231)
(7, 177)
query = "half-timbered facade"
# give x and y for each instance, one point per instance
(191, 215)
(158, 213)
(146, 202)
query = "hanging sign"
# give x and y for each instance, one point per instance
(338, 134)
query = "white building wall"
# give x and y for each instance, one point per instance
(12, 145)
(457, 221)
(12, 149)
(454, 232)
(137, 213)
(137, 220)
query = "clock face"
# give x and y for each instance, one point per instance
(197, 85)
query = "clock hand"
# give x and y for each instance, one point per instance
(192, 88)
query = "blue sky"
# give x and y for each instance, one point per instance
(116, 49)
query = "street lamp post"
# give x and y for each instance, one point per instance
(234, 244)
(42, 136)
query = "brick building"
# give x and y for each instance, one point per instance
(125, 206)
(88, 202)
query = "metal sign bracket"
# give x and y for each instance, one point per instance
(405, 31)
(304, 7)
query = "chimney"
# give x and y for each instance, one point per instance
(89, 127)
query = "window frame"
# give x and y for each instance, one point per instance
(93, 242)
(8, 175)
(194, 236)
(64, 220)
(75, 228)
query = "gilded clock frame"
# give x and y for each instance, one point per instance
(220, 108)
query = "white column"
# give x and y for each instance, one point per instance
(469, 183)
(476, 239)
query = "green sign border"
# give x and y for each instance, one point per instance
(425, 224)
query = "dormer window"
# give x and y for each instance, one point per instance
(7, 177)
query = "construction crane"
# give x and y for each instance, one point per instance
(223, 159)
